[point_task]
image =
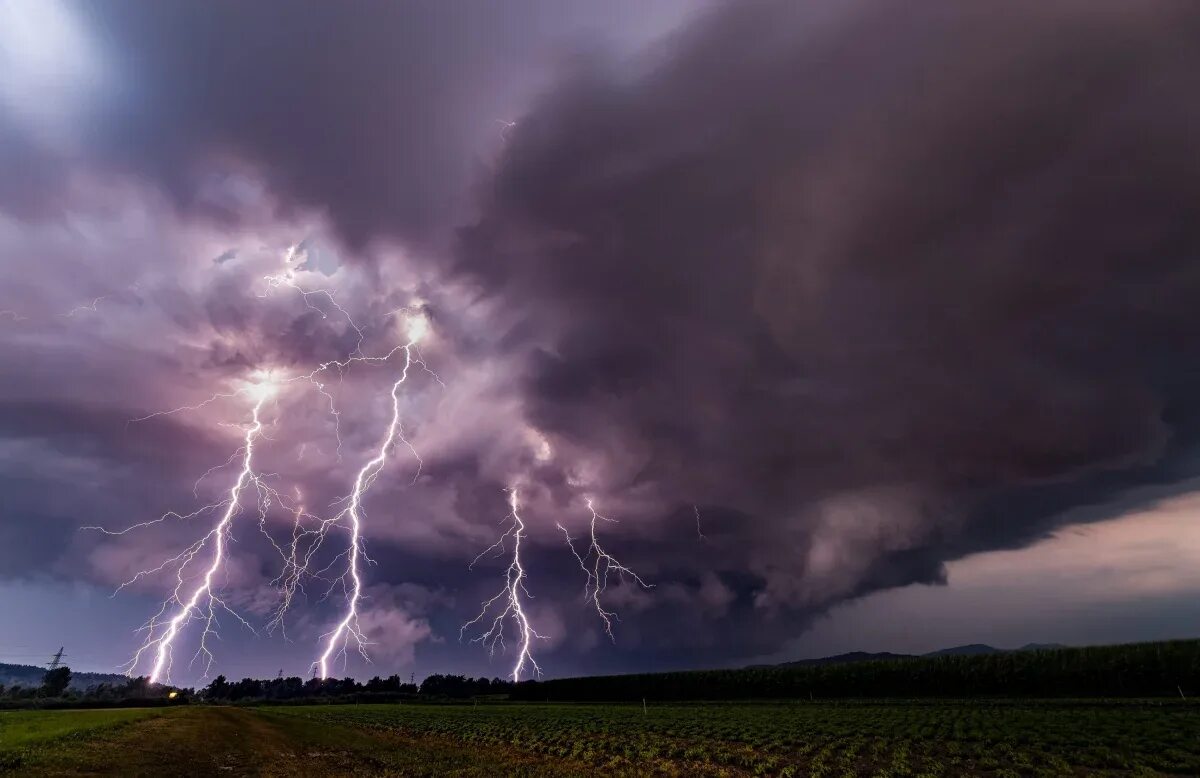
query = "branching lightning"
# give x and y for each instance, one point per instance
(597, 565)
(198, 568)
(288, 278)
(203, 601)
(509, 597)
(196, 596)
(348, 628)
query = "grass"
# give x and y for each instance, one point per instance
(23, 732)
(233, 741)
(785, 739)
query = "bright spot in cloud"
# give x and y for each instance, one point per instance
(416, 327)
(262, 385)
(50, 71)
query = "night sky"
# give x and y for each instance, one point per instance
(873, 325)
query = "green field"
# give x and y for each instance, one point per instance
(818, 739)
(29, 731)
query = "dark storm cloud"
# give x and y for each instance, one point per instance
(68, 464)
(895, 281)
(375, 111)
(873, 285)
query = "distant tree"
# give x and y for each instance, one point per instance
(56, 681)
(459, 687)
(136, 687)
(218, 689)
(284, 688)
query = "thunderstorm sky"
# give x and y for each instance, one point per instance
(873, 324)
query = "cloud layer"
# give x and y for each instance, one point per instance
(868, 284)
(810, 317)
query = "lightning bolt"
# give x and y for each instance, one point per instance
(195, 597)
(506, 127)
(203, 602)
(82, 308)
(288, 278)
(12, 315)
(509, 596)
(347, 629)
(597, 565)
(290, 579)
(306, 542)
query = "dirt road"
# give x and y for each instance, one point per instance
(226, 741)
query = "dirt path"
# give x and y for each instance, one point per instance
(223, 741)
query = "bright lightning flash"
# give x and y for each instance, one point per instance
(416, 327)
(195, 597)
(203, 602)
(509, 597)
(597, 564)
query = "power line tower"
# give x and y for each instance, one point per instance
(280, 676)
(56, 660)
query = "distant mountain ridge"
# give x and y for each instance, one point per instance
(842, 659)
(970, 649)
(31, 675)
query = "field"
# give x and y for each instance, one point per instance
(817, 739)
(22, 732)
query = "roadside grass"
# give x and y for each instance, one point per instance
(23, 732)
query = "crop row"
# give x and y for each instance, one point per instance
(816, 739)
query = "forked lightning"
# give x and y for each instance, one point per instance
(509, 597)
(597, 565)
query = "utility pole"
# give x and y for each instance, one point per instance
(56, 660)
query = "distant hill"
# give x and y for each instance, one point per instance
(840, 659)
(980, 649)
(971, 649)
(1168, 669)
(30, 675)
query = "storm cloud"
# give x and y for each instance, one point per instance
(866, 275)
(377, 112)
(813, 298)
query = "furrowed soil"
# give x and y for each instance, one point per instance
(919, 739)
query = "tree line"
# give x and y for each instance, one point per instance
(376, 689)
(1163, 669)
(54, 691)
